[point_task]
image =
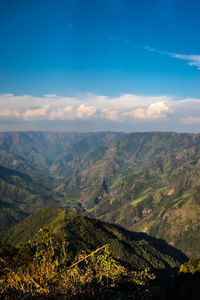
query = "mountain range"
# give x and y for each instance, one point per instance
(146, 182)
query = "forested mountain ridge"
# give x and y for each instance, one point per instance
(82, 233)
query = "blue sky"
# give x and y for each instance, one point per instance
(102, 65)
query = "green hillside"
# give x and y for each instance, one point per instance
(137, 250)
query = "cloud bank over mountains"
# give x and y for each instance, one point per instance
(126, 108)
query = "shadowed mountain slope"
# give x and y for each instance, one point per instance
(136, 249)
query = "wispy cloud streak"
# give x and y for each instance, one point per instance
(192, 60)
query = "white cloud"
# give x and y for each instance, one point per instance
(7, 113)
(71, 113)
(110, 115)
(50, 96)
(190, 120)
(85, 112)
(155, 111)
(9, 95)
(192, 60)
(35, 114)
(66, 113)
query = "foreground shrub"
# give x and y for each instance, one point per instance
(42, 269)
